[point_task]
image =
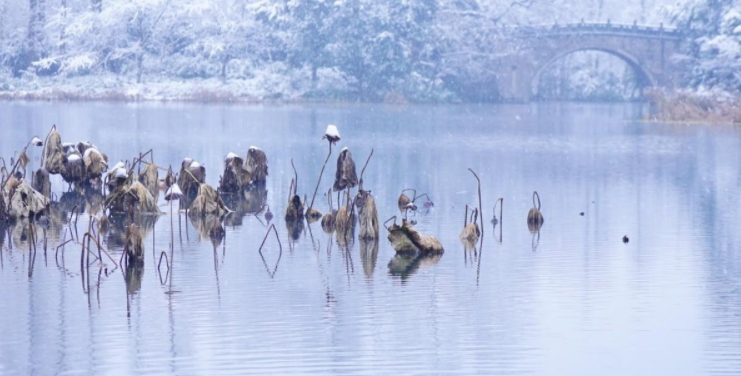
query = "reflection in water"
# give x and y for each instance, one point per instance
(295, 228)
(271, 271)
(675, 285)
(406, 264)
(534, 228)
(208, 227)
(133, 276)
(368, 255)
(116, 235)
(249, 201)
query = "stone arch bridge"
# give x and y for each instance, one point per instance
(648, 51)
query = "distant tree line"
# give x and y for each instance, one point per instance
(421, 50)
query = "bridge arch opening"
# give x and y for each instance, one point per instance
(583, 68)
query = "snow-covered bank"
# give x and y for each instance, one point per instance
(111, 87)
(707, 106)
(275, 85)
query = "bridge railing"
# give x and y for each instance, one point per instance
(598, 28)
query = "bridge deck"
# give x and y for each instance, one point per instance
(634, 30)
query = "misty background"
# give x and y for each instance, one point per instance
(359, 50)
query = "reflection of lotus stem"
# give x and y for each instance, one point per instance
(272, 227)
(500, 201)
(320, 177)
(172, 230)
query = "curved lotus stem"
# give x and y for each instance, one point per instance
(363, 170)
(536, 195)
(295, 186)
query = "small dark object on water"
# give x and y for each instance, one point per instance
(581, 214)
(625, 239)
(268, 215)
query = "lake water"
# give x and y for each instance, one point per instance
(572, 299)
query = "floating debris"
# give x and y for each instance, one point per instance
(626, 239)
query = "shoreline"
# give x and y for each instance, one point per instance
(114, 89)
(694, 107)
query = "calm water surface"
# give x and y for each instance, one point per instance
(572, 299)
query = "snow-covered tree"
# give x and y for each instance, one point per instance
(355, 49)
(713, 28)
